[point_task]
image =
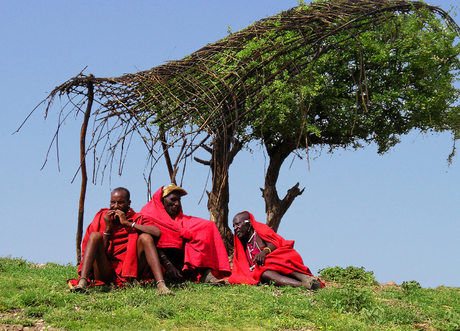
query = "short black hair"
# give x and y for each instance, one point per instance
(118, 189)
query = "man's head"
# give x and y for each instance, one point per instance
(120, 199)
(242, 226)
(171, 196)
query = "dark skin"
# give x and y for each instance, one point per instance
(172, 259)
(243, 231)
(96, 259)
(172, 204)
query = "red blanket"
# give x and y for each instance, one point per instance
(284, 259)
(198, 238)
(122, 250)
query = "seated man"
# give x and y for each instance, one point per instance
(190, 247)
(119, 246)
(261, 255)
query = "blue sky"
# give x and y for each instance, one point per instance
(396, 214)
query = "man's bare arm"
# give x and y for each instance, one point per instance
(153, 230)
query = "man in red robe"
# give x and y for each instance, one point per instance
(119, 246)
(189, 247)
(261, 255)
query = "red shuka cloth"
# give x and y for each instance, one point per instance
(284, 259)
(122, 250)
(198, 238)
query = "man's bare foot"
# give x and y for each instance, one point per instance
(81, 287)
(209, 278)
(309, 282)
(162, 289)
(316, 284)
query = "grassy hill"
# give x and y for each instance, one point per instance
(36, 297)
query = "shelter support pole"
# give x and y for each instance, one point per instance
(84, 176)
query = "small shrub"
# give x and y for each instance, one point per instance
(11, 264)
(349, 275)
(410, 286)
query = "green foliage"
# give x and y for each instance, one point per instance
(9, 263)
(348, 275)
(348, 299)
(366, 82)
(411, 286)
(30, 292)
(374, 87)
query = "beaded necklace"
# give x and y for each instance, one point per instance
(250, 247)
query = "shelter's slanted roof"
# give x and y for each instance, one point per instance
(215, 81)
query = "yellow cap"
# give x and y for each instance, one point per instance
(173, 188)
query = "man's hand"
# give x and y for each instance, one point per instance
(259, 259)
(108, 220)
(121, 217)
(115, 215)
(172, 273)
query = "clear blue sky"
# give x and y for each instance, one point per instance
(396, 215)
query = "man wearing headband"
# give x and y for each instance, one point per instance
(262, 255)
(189, 247)
(119, 246)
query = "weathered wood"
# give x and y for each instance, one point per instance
(84, 176)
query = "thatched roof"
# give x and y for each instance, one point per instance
(216, 81)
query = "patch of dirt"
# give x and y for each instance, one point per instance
(39, 325)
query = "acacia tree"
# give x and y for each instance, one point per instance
(334, 73)
(361, 87)
(360, 83)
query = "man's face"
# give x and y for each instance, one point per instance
(241, 226)
(119, 201)
(172, 204)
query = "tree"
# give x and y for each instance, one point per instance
(333, 73)
(369, 80)
(362, 86)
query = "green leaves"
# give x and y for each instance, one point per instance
(328, 76)
(348, 275)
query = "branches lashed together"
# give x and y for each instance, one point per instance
(219, 85)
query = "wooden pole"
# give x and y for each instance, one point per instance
(84, 176)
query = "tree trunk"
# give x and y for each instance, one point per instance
(225, 147)
(275, 208)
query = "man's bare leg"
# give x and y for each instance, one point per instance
(147, 253)
(95, 260)
(280, 280)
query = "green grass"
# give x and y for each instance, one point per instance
(31, 293)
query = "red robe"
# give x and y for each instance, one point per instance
(284, 259)
(122, 250)
(198, 238)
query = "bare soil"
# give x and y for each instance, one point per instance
(19, 315)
